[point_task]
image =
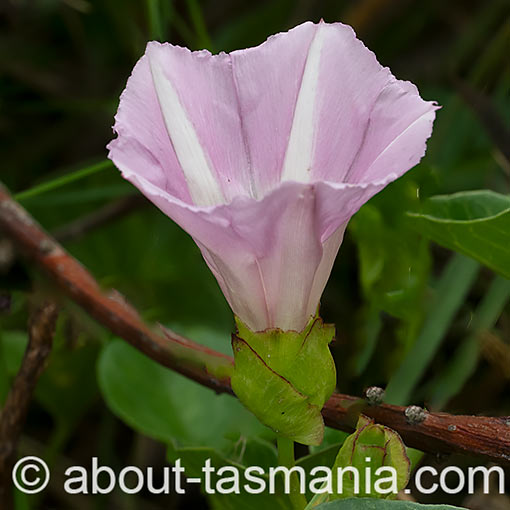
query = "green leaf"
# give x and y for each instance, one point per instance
(379, 449)
(193, 459)
(451, 380)
(380, 504)
(475, 223)
(394, 267)
(394, 259)
(165, 405)
(253, 451)
(450, 293)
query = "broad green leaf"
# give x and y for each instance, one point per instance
(475, 223)
(165, 405)
(253, 451)
(380, 504)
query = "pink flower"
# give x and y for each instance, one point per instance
(263, 155)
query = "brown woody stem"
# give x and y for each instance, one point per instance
(13, 414)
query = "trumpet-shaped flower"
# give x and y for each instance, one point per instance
(263, 155)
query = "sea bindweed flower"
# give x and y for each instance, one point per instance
(263, 155)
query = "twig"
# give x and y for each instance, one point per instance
(12, 417)
(437, 433)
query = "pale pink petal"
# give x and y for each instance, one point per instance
(350, 80)
(352, 117)
(204, 85)
(266, 285)
(330, 249)
(395, 137)
(317, 106)
(195, 149)
(142, 144)
(271, 257)
(268, 79)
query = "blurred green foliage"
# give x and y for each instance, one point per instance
(409, 313)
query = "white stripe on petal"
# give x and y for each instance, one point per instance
(298, 158)
(202, 184)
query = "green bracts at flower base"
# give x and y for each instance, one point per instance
(377, 448)
(285, 377)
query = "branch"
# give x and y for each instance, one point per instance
(436, 432)
(12, 417)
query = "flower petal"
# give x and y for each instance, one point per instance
(263, 156)
(297, 164)
(396, 134)
(272, 256)
(180, 109)
(367, 123)
(142, 145)
(317, 106)
(202, 184)
(268, 79)
(265, 284)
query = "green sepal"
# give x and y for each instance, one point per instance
(285, 377)
(384, 447)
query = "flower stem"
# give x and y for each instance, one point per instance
(286, 459)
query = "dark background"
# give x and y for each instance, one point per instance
(63, 65)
